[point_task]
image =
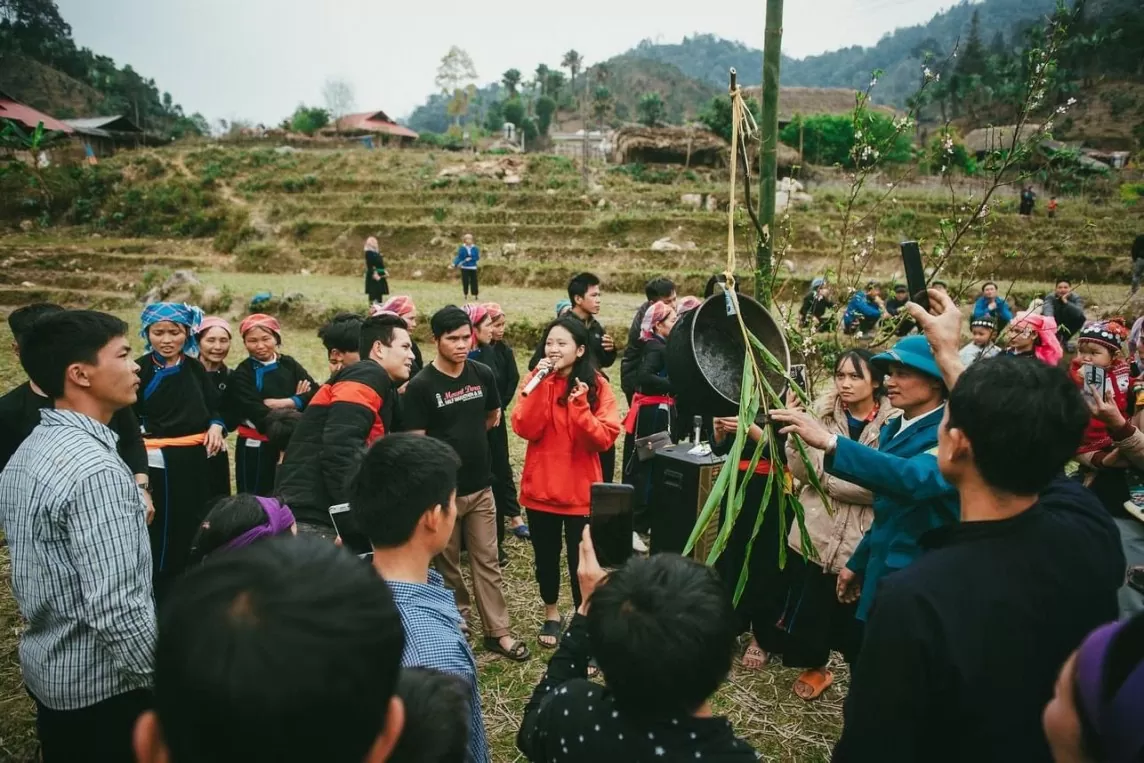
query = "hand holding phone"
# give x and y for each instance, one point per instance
(915, 274)
(347, 529)
(612, 523)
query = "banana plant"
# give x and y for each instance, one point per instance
(17, 140)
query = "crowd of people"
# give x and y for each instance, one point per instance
(987, 603)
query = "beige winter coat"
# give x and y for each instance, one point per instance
(834, 537)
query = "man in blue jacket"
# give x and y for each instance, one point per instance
(468, 255)
(991, 305)
(864, 310)
(910, 495)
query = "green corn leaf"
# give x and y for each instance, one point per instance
(745, 572)
(748, 409)
(808, 549)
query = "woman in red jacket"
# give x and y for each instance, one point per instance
(568, 420)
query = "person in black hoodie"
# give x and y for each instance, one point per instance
(178, 410)
(20, 408)
(584, 292)
(662, 632)
(657, 290)
(503, 363)
(963, 646)
(347, 414)
(264, 381)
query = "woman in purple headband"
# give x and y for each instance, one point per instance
(1097, 713)
(240, 520)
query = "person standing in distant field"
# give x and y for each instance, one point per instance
(468, 255)
(75, 521)
(1052, 208)
(1028, 201)
(376, 282)
(1137, 262)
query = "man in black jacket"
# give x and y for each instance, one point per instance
(584, 291)
(349, 412)
(657, 290)
(962, 647)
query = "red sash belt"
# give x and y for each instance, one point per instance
(639, 401)
(250, 433)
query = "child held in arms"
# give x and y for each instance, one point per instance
(984, 345)
(1099, 345)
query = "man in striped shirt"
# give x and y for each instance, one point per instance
(75, 522)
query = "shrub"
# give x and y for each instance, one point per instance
(716, 115)
(1132, 193)
(829, 139)
(651, 109)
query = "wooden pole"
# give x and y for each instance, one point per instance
(768, 157)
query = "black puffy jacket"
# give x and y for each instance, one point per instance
(345, 416)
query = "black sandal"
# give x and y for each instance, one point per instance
(518, 653)
(552, 629)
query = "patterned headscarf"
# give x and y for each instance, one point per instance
(261, 320)
(656, 313)
(494, 309)
(371, 244)
(213, 322)
(1049, 350)
(688, 303)
(399, 305)
(184, 315)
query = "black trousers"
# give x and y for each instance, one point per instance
(546, 529)
(763, 597)
(504, 485)
(255, 468)
(181, 493)
(608, 464)
(219, 468)
(813, 621)
(101, 732)
(469, 282)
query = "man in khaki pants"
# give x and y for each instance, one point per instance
(455, 400)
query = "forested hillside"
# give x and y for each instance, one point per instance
(41, 65)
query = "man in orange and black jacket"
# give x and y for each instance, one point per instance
(348, 413)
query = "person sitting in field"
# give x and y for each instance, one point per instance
(663, 633)
(1067, 308)
(1094, 713)
(992, 305)
(894, 307)
(288, 650)
(863, 311)
(816, 305)
(239, 520)
(341, 337)
(983, 345)
(436, 706)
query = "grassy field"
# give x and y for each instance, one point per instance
(759, 704)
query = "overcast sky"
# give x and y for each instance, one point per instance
(257, 59)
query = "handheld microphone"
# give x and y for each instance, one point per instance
(534, 382)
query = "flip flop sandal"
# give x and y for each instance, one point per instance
(518, 653)
(817, 681)
(754, 658)
(552, 629)
(521, 531)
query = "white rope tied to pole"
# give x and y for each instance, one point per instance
(742, 121)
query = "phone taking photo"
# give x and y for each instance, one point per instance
(1095, 381)
(798, 377)
(612, 523)
(347, 528)
(915, 274)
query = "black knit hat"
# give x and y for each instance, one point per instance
(987, 322)
(1110, 333)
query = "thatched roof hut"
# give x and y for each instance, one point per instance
(986, 140)
(808, 101)
(669, 145)
(690, 146)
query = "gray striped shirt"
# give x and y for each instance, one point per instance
(81, 563)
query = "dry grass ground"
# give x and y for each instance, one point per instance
(760, 704)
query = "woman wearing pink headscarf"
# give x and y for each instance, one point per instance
(376, 283)
(1035, 335)
(403, 306)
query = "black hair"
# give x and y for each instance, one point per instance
(21, 319)
(659, 288)
(280, 426)
(437, 714)
(448, 319)
(901, 287)
(401, 477)
(263, 651)
(942, 284)
(1063, 280)
(1123, 656)
(987, 284)
(663, 632)
(862, 359)
(1007, 405)
(719, 278)
(584, 369)
(57, 340)
(227, 519)
(379, 328)
(872, 285)
(342, 333)
(579, 285)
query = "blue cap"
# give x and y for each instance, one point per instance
(912, 352)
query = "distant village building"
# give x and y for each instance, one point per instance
(373, 123)
(27, 118)
(103, 136)
(571, 144)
